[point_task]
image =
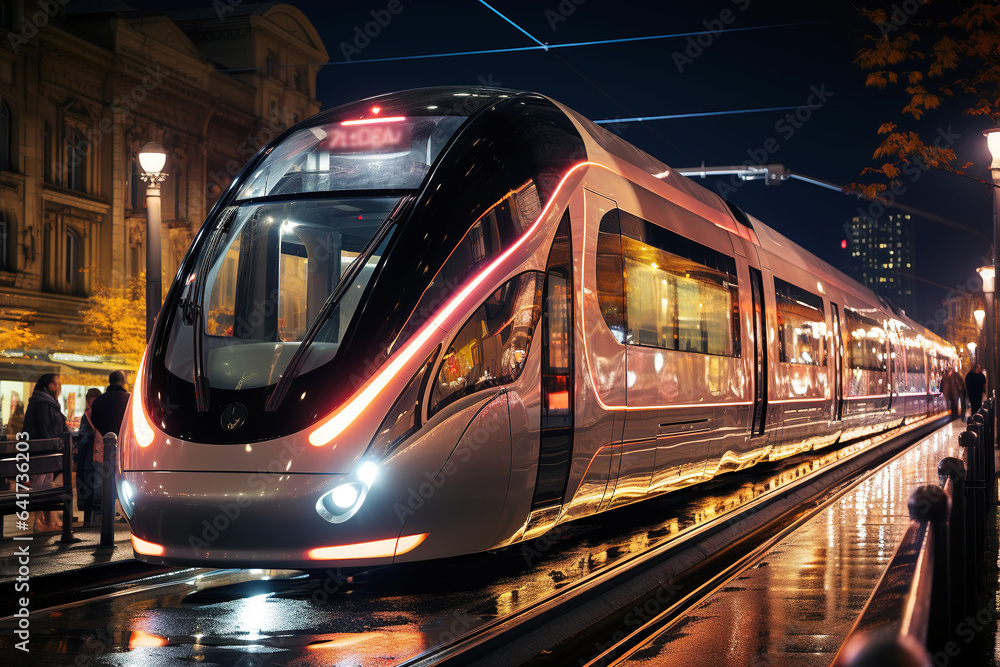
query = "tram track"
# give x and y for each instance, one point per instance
(595, 620)
(586, 613)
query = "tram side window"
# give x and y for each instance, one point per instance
(610, 289)
(867, 342)
(914, 360)
(491, 347)
(801, 325)
(679, 295)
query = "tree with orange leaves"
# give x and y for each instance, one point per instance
(942, 54)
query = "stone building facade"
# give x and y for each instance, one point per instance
(83, 86)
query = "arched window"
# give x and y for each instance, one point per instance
(72, 263)
(76, 160)
(5, 136)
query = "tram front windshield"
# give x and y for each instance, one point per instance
(300, 224)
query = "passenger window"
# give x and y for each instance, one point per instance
(491, 347)
(610, 290)
(679, 295)
(867, 342)
(801, 325)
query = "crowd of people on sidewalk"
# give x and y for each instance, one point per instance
(44, 419)
(959, 391)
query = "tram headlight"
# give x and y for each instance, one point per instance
(345, 495)
(344, 500)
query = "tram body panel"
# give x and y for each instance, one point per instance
(420, 413)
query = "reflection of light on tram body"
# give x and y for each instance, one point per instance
(442, 288)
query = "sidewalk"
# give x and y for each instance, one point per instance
(48, 556)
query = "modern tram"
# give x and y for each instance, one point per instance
(446, 320)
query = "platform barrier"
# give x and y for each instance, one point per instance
(933, 581)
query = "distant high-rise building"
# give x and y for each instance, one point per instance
(882, 256)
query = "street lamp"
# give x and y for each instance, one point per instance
(988, 273)
(152, 157)
(972, 352)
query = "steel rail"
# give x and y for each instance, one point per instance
(598, 588)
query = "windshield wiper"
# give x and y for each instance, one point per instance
(193, 312)
(284, 382)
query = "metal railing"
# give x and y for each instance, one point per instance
(933, 584)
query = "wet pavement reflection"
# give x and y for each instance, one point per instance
(796, 605)
(387, 615)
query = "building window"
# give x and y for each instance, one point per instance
(6, 136)
(7, 14)
(136, 191)
(72, 262)
(4, 242)
(47, 153)
(76, 160)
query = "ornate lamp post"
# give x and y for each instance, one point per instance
(152, 157)
(972, 352)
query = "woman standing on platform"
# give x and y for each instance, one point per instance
(87, 481)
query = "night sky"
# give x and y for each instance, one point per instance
(809, 47)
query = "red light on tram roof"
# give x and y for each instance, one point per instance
(376, 110)
(843, 244)
(369, 121)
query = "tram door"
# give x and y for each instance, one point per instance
(760, 354)
(556, 447)
(838, 362)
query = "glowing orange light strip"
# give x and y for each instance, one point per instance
(370, 121)
(142, 429)
(342, 418)
(147, 548)
(140, 638)
(377, 549)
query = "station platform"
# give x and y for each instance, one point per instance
(797, 603)
(49, 556)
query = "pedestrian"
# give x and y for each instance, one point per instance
(951, 387)
(108, 410)
(44, 419)
(87, 477)
(106, 415)
(16, 423)
(975, 382)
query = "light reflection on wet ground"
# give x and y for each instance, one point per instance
(385, 616)
(796, 605)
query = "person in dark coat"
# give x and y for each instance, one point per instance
(106, 416)
(951, 387)
(975, 382)
(44, 419)
(108, 411)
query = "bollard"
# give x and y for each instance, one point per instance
(108, 490)
(975, 516)
(929, 503)
(883, 650)
(951, 471)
